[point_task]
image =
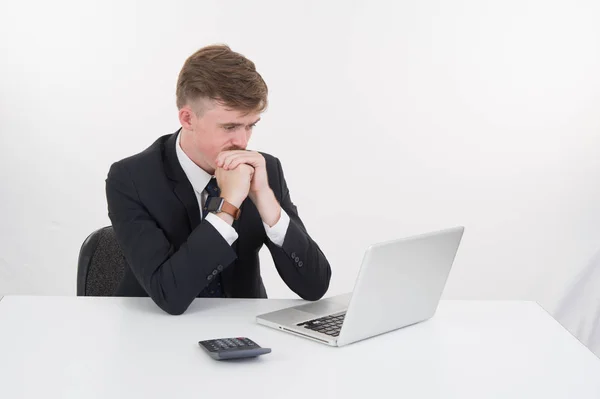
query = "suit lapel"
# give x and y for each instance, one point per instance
(186, 195)
(181, 185)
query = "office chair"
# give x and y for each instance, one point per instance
(101, 264)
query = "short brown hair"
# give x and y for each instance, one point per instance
(218, 73)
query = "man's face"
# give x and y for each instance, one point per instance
(219, 129)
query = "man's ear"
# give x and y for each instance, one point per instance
(187, 118)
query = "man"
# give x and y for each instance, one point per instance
(192, 211)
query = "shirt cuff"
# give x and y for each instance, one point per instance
(227, 231)
(277, 233)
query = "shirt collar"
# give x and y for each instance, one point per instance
(197, 176)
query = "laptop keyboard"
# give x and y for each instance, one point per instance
(330, 325)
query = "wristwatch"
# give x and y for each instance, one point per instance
(218, 204)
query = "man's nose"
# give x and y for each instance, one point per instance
(241, 139)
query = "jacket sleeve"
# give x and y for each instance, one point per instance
(171, 277)
(299, 261)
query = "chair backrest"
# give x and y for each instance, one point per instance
(101, 264)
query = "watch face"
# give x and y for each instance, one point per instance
(214, 204)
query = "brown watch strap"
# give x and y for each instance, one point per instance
(231, 210)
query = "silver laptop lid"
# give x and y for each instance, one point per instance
(400, 283)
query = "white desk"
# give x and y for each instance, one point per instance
(68, 347)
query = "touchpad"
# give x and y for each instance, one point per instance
(322, 308)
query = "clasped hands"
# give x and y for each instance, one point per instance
(241, 174)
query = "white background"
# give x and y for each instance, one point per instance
(390, 119)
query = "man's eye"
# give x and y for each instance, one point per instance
(230, 127)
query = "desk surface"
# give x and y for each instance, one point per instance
(71, 347)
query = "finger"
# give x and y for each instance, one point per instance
(251, 174)
(226, 159)
(238, 159)
(223, 155)
(253, 159)
(235, 162)
(235, 158)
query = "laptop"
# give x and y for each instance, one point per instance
(399, 284)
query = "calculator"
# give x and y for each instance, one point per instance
(232, 348)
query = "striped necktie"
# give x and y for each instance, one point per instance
(213, 191)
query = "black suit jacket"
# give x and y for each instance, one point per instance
(171, 253)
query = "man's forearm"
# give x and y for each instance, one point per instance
(268, 206)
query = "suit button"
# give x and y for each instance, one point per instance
(293, 254)
(297, 259)
(209, 277)
(220, 268)
(300, 264)
(215, 272)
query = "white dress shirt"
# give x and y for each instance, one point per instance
(200, 179)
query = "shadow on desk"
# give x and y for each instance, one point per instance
(200, 305)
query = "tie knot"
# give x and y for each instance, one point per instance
(212, 188)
